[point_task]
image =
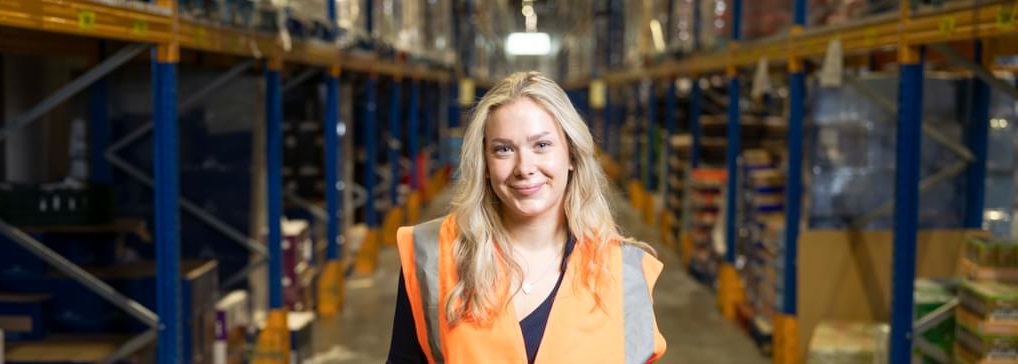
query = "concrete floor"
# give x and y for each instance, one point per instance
(686, 311)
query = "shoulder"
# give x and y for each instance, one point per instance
(428, 232)
(641, 257)
(433, 226)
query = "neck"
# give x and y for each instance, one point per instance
(536, 234)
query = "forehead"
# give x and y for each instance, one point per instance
(519, 119)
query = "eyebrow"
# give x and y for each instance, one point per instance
(530, 139)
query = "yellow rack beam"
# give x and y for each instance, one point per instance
(138, 23)
(146, 23)
(967, 21)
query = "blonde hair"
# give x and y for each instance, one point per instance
(481, 249)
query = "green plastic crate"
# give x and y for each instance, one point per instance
(930, 295)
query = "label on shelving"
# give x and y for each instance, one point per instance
(140, 27)
(947, 25)
(86, 19)
(201, 35)
(597, 94)
(467, 91)
(1006, 17)
(871, 37)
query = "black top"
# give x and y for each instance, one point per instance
(405, 347)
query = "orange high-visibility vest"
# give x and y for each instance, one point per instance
(622, 330)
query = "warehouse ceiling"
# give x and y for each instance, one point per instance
(567, 22)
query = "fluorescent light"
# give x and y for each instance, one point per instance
(528, 44)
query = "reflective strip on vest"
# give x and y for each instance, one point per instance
(639, 311)
(426, 261)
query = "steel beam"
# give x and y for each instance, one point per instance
(132, 307)
(395, 143)
(413, 136)
(695, 102)
(332, 167)
(906, 211)
(274, 183)
(977, 139)
(731, 161)
(794, 189)
(167, 216)
(192, 208)
(649, 118)
(370, 136)
(131, 346)
(976, 68)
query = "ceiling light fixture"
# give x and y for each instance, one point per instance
(528, 44)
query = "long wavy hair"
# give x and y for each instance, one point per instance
(481, 249)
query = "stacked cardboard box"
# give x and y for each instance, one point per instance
(835, 342)
(298, 264)
(706, 198)
(678, 165)
(987, 319)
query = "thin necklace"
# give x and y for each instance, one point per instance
(528, 287)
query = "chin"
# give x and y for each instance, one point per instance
(530, 211)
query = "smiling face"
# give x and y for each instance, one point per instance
(527, 157)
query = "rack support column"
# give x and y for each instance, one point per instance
(331, 285)
(906, 204)
(729, 291)
(167, 216)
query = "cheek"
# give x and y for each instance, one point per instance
(494, 172)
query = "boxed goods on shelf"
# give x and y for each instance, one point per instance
(679, 151)
(298, 255)
(234, 322)
(308, 19)
(715, 19)
(848, 343)
(984, 325)
(853, 147)
(976, 347)
(706, 198)
(991, 253)
(987, 322)
(989, 299)
(764, 18)
(832, 12)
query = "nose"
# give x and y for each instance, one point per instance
(525, 166)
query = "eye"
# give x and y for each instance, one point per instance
(543, 145)
(501, 149)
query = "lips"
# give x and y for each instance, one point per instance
(527, 190)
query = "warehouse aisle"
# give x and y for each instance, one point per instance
(686, 311)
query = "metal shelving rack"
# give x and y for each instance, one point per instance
(910, 32)
(158, 26)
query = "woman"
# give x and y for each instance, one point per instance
(529, 266)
